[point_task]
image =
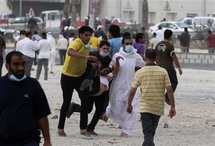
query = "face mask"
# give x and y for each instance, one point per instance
(128, 48)
(103, 53)
(14, 78)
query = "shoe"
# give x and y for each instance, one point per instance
(104, 117)
(61, 132)
(85, 132)
(92, 132)
(124, 134)
(85, 84)
(70, 110)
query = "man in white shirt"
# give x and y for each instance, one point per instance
(62, 45)
(159, 34)
(43, 57)
(27, 47)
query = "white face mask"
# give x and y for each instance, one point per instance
(14, 78)
(103, 53)
(128, 48)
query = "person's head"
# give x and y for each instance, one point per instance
(209, 31)
(168, 34)
(125, 34)
(28, 34)
(114, 31)
(143, 29)
(60, 36)
(154, 35)
(85, 33)
(15, 64)
(140, 38)
(103, 48)
(150, 55)
(22, 32)
(185, 29)
(127, 43)
(1, 33)
(44, 35)
(159, 27)
(35, 32)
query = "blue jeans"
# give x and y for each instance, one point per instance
(149, 126)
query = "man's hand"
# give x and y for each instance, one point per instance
(172, 112)
(117, 60)
(129, 109)
(105, 71)
(117, 64)
(93, 58)
(180, 71)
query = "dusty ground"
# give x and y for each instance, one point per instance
(194, 124)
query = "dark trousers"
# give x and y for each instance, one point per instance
(174, 82)
(68, 84)
(149, 126)
(28, 65)
(99, 104)
(42, 62)
(62, 54)
(1, 64)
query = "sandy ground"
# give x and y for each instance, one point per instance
(194, 124)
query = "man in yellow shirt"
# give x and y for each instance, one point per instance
(152, 80)
(73, 75)
(94, 42)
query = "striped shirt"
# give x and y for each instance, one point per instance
(152, 81)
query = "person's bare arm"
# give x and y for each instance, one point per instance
(172, 111)
(43, 125)
(175, 60)
(130, 99)
(72, 53)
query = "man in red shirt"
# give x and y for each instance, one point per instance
(211, 42)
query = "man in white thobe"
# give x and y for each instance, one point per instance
(120, 86)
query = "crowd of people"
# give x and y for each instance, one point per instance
(115, 72)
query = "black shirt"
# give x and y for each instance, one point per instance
(22, 104)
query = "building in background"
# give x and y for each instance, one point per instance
(37, 5)
(127, 10)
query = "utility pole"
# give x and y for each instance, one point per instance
(20, 8)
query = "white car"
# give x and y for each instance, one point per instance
(176, 27)
(20, 23)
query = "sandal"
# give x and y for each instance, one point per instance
(124, 134)
(104, 117)
(85, 132)
(60, 132)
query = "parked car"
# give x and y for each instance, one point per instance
(19, 23)
(186, 20)
(203, 22)
(120, 22)
(176, 27)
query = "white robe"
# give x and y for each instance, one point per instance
(53, 52)
(119, 90)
